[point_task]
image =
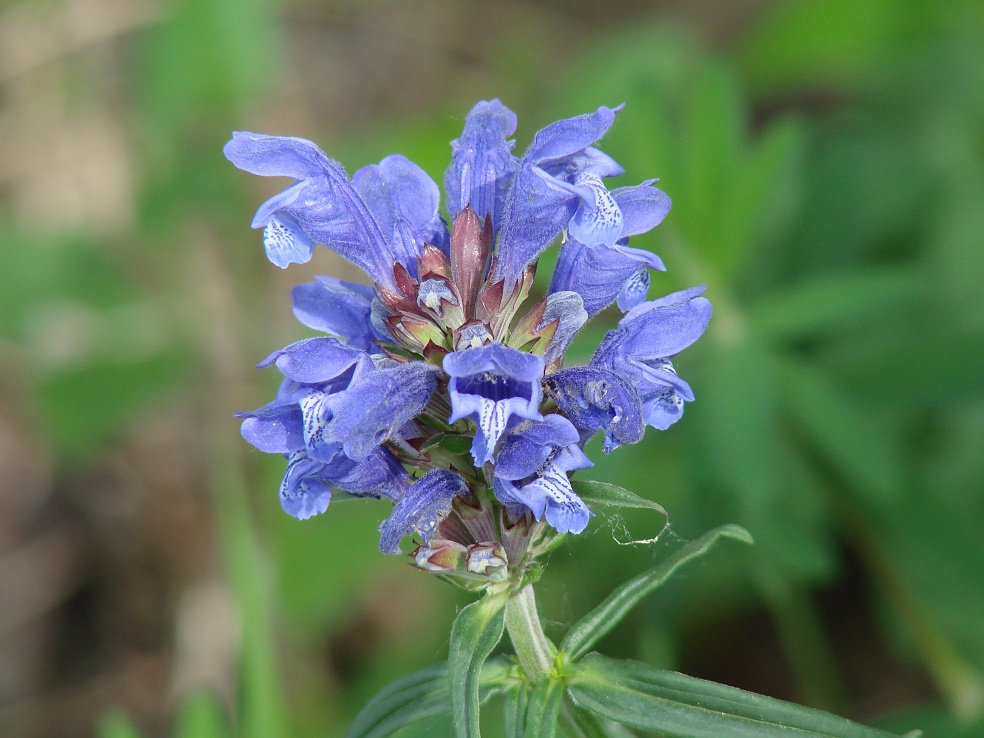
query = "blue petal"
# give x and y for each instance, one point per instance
(531, 445)
(597, 274)
(378, 404)
(421, 508)
(278, 204)
(641, 256)
(317, 416)
(403, 201)
(598, 219)
(635, 290)
(275, 156)
(285, 243)
(511, 495)
(494, 358)
(568, 309)
(274, 429)
(565, 510)
(550, 495)
(380, 475)
(643, 207)
(664, 327)
(505, 491)
(337, 307)
(658, 373)
(314, 360)
(599, 399)
(303, 493)
(664, 408)
(533, 215)
(572, 135)
(482, 165)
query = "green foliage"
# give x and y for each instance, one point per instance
(611, 495)
(420, 696)
(543, 711)
(676, 705)
(476, 631)
(825, 166)
(578, 689)
(584, 634)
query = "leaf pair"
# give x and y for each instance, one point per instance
(422, 695)
(640, 696)
(584, 694)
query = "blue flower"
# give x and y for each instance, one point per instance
(321, 422)
(439, 337)
(598, 399)
(421, 508)
(378, 405)
(531, 473)
(307, 485)
(558, 184)
(604, 273)
(385, 215)
(482, 166)
(341, 309)
(641, 347)
(494, 386)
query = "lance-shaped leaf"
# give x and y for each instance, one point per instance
(517, 699)
(543, 712)
(476, 631)
(600, 621)
(672, 704)
(419, 696)
(611, 495)
(577, 722)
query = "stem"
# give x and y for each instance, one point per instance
(533, 648)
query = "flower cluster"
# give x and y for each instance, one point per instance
(433, 387)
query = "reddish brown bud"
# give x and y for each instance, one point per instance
(433, 261)
(471, 249)
(406, 283)
(489, 302)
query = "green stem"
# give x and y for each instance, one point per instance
(533, 648)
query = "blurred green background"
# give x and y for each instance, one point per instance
(826, 162)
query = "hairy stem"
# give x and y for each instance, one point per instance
(533, 648)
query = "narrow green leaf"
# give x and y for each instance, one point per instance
(829, 304)
(677, 705)
(418, 696)
(762, 197)
(516, 700)
(743, 442)
(476, 631)
(576, 722)
(544, 709)
(860, 449)
(600, 621)
(611, 495)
